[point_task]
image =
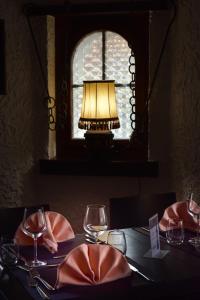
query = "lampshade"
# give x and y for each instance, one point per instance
(99, 110)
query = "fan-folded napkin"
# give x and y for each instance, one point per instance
(92, 264)
(58, 230)
(178, 210)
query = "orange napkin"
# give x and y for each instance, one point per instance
(92, 264)
(58, 230)
(178, 210)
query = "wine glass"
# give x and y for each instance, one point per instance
(95, 221)
(34, 225)
(116, 238)
(194, 211)
(175, 231)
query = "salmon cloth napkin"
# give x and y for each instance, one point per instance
(92, 264)
(58, 230)
(179, 210)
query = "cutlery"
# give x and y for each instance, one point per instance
(36, 275)
(23, 267)
(10, 248)
(33, 283)
(27, 268)
(8, 256)
(89, 236)
(145, 229)
(140, 273)
(60, 256)
(92, 240)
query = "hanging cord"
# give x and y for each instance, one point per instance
(157, 66)
(50, 100)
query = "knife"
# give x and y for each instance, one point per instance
(139, 272)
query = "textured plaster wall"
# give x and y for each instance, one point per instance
(175, 102)
(23, 129)
(185, 106)
(174, 118)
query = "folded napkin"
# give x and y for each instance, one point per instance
(58, 230)
(92, 264)
(178, 210)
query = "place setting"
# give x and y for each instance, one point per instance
(40, 233)
(180, 225)
(50, 261)
(49, 258)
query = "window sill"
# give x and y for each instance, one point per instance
(102, 168)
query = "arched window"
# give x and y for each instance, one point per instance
(92, 47)
(103, 55)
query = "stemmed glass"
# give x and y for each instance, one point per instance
(34, 225)
(194, 211)
(175, 231)
(116, 238)
(95, 220)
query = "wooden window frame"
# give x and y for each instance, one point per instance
(69, 30)
(2, 58)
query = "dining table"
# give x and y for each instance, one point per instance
(175, 276)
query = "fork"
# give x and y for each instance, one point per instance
(33, 283)
(36, 275)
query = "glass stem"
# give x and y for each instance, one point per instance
(35, 249)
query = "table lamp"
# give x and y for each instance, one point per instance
(99, 115)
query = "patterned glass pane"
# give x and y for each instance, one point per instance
(117, 58)
(88, 65)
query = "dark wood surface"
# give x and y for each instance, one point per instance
(103, 168)
(87, 8)
(176, 276)
(180, 264)
(2, 58)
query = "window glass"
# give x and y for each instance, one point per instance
(117, 53)
(103, 56)
(87, 63)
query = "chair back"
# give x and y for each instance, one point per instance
(11, 217)
(134, 211)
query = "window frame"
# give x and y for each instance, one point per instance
(69, 30)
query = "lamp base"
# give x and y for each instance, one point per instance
(99, 143)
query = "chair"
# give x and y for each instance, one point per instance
(11, 217)
(3, 296)
(133, 211)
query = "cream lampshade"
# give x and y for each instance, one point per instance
(99, 116)
(99, 110)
